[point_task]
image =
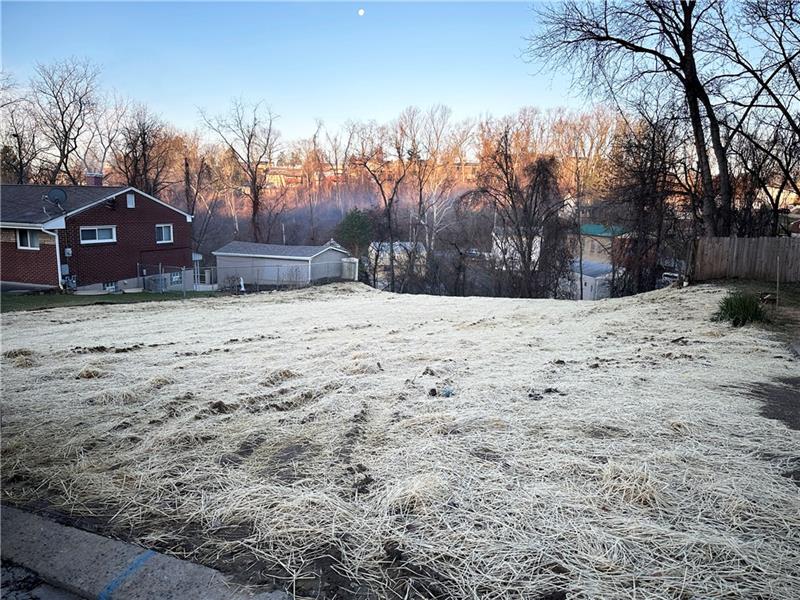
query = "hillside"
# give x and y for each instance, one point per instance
(354, 442)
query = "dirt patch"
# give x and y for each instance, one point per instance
(245, 450)
(780, 400)
(286, 462)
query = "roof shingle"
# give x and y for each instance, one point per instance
(27, 203)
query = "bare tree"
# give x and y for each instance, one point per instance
(642, 189)
(383, 153)
(582, 143)
(145, 151)
(622, 43)
(769, 168)
(103, 132)
(8, 90)
(249, 133)
(22, 144)
(522, 189)
(337, 151)
(201, 186)
(313, 166)
(436, 147)
(64, 96)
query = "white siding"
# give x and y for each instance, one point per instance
(261, 271)
(327, 265)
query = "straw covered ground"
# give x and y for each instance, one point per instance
(358, 444)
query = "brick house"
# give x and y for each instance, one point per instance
(95, 235)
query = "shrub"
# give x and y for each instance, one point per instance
(740, 309)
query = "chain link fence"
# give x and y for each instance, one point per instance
(256, 276)
(162, 278)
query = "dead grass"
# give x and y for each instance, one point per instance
(604, 450)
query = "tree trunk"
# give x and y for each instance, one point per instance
(390, 227)
(255, 201)
(693, 88)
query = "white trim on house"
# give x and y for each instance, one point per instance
(58, 257)
(329, 248)
(19, 244)
(171, 239)
(95, 228)
(11, 225)
(57, 223)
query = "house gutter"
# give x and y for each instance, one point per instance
(58, 256)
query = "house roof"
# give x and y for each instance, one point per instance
(237, 248)
(26, 204)
(592, 268)
(598, 230)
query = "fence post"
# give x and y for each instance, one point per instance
(161, 285)
(183, 281)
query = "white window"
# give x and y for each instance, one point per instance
(175, 278)
(104, 234)
(164, 234)
(27, 239)
(131, 200)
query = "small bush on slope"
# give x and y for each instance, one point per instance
(740, 309)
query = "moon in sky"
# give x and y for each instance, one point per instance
(361, 12)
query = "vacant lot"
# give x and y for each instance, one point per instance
(364, 444)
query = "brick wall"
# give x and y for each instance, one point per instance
(136, 241)
(28, 266)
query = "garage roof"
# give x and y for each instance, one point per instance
(252, 249)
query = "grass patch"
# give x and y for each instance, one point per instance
(740, 309)
(15, 302)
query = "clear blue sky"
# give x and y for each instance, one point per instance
(306, 60)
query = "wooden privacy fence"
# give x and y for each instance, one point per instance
(759, 258)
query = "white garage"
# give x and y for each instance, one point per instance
(277, 264)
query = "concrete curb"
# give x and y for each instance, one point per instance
(93, 566)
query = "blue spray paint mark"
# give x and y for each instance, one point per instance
(132, 568)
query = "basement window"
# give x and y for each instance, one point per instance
(27, 239)
(103, 234)
(164, 234)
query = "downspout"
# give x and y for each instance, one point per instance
(58, 256)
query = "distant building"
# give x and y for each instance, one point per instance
(596, 280)
(598, 242)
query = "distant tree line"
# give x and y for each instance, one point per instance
(695, 132)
